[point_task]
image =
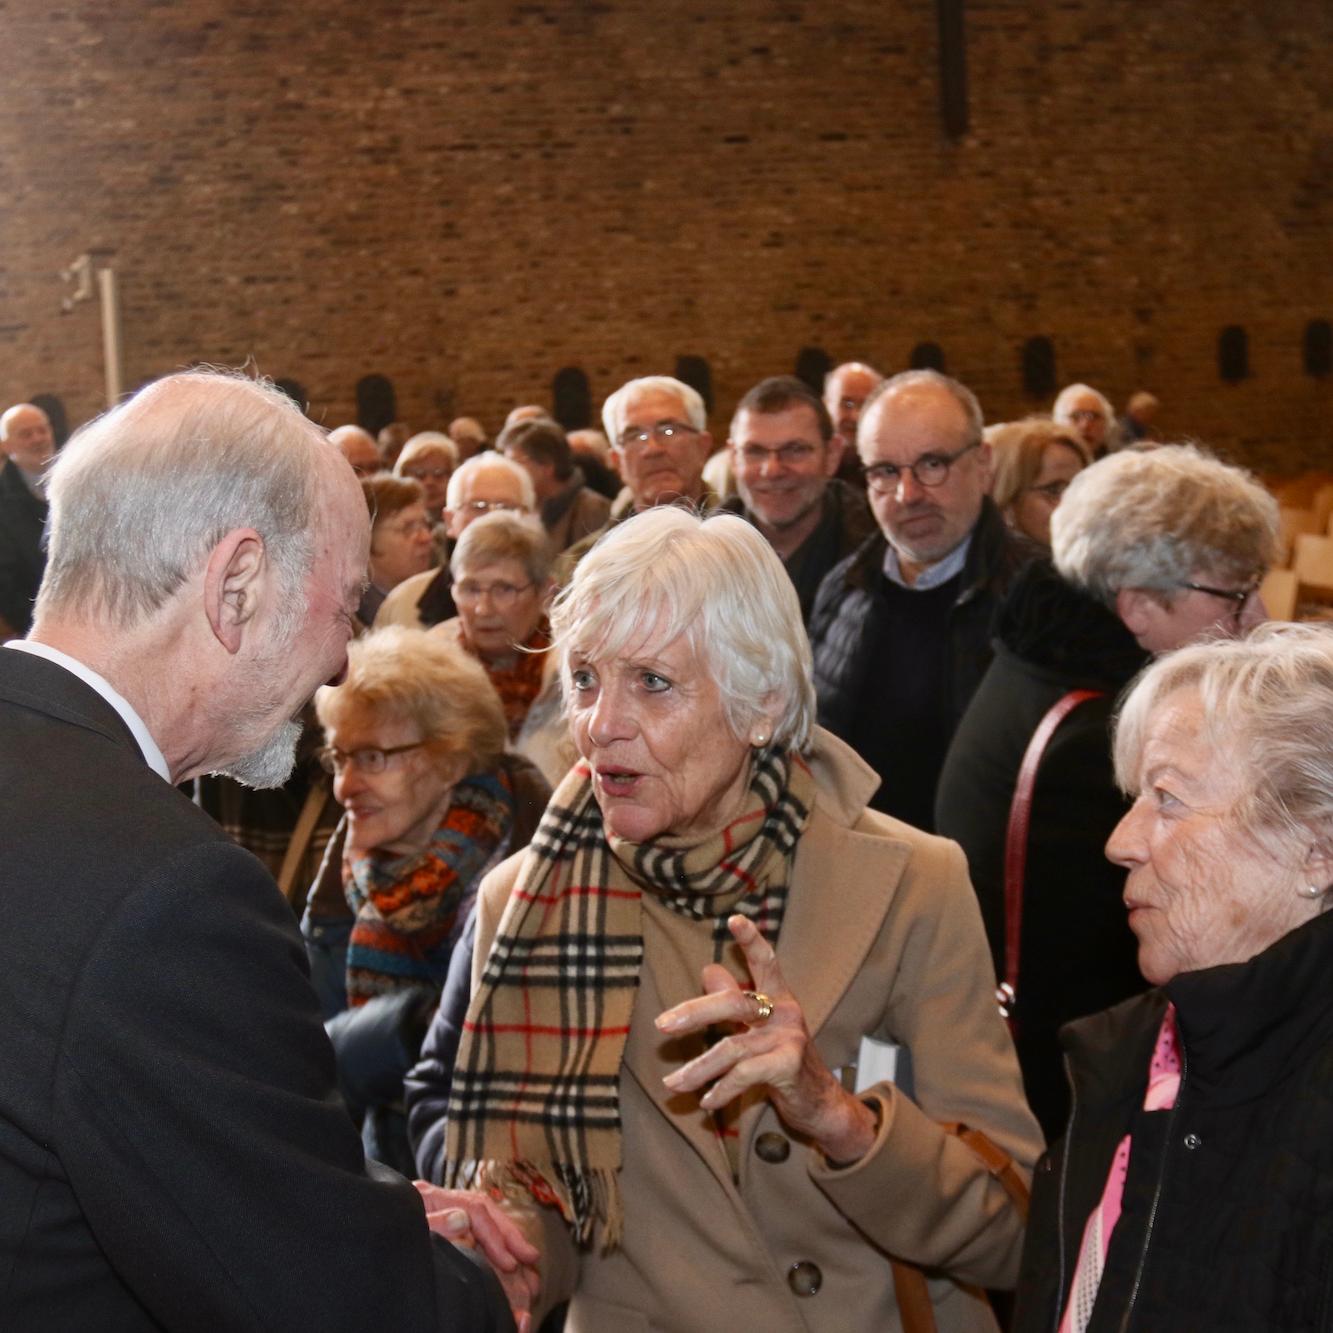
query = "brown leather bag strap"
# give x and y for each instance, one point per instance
(915, 1309)
(1016, 842)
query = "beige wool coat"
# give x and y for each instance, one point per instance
(882, 937)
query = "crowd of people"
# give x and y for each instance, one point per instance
(719, 871)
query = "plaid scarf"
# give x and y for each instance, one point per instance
(535, 1101)
(409, 909)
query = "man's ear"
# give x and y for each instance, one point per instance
(233, 579)
(1134, 607)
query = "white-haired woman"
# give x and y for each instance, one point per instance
(689, 991)
(429, 458)
(1194, 1188)
(1152, 550)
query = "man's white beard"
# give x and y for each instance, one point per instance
(270, 765)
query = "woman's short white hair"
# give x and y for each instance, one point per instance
(1268, 708)
(142, 494)
(1157, 518)
(487, 459)
(666, 573)
(696, 413)
(426, 444)
(1065, 399)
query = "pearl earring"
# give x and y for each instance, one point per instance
(1311, 890)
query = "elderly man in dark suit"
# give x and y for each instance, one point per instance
(27, 446)
(173, 1153)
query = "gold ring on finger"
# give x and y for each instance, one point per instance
(765, 1005)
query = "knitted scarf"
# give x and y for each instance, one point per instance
(409, 909)
(518, 681)
(535, 1101)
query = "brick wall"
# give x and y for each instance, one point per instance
(468, 196)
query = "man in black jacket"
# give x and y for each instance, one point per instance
(28, 445)
(173, 1152)
(784, 457)
(901, 628)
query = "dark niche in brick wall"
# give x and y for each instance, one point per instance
(813, 365)
(572, 398)
(376, 403)
(1233, 354)
(1038, 362)
(1317, 348)
(927, 356)
(694, 371)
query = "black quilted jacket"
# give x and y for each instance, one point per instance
(1228, 1208)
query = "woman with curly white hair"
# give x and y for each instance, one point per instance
(691, 989)
(1152, 550)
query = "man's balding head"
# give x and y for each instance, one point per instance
(25, 436)
(205, 527)
(358, 447)
(846, 387)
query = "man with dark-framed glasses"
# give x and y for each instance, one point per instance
(901, 628)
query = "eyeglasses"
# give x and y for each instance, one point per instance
(661, 431)
(410, 529)
(486, 506)
(370, 760)
(1238, 597)
(431, 473)
(1052, 490)
(792, 454)
(502, 594)
(1087, 414)
(929, 470)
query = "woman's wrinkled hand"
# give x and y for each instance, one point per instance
(475, 1221)
(777, 1053)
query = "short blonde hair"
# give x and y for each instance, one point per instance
(1017, 450)
(411, 675)
(1268, 704)
(668, 572)
(1157, 518)
(427, 444)
(504, 535)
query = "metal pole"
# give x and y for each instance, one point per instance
(112, 353)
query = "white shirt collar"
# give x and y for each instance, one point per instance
(153, 756)
(933, 575)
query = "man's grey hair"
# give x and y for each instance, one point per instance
(1156, 518)
(667, 572)
(1267, 710)
(141, 495)
(911, 379)
(470, 466)
(8, 415)
(1064, 403)
(696, 414)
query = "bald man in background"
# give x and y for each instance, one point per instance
(358, 447)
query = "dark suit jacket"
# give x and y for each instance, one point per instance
(173, 1152)
(22, 560)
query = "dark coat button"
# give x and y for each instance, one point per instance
(805, 1278)
(773, 1147)
(1193, 1141)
